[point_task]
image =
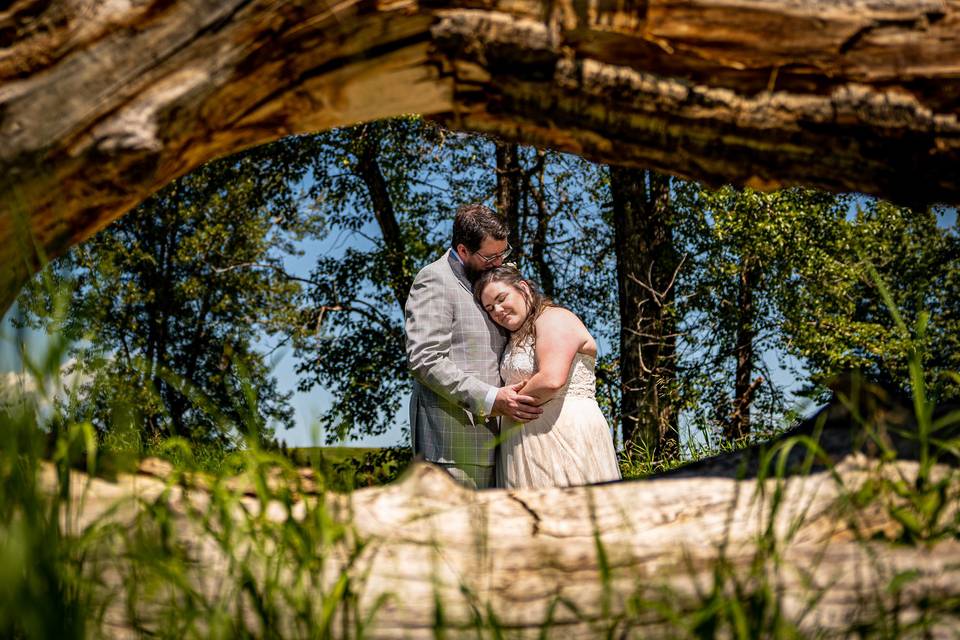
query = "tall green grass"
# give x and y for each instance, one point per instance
(281, 555)
(286, 562)
(347, 468)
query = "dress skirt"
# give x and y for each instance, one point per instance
(569, 444)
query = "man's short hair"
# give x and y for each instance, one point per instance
(473, 223)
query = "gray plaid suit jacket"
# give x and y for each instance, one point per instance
(453, 348)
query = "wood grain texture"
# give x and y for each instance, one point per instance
(626, 558)
(513, 555)
(102, 103)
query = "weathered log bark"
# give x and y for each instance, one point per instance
(103, 103)
(622, 556)
(514, 555)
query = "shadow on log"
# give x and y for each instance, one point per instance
(861, 418)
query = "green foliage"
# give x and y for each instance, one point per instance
(158, 330)
(274, 583)
(637, 462)
(814, 304)
(170, 301)
(349, 468)
(350, 337)
(167, 302)
(836, 319)
(61, 570)
(299, 573)
(730, 234)
(42, 588)
(920, 505)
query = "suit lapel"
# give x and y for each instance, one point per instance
(457, 267)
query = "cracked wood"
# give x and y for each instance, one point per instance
(101, 103)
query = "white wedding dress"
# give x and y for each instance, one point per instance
(569, 444)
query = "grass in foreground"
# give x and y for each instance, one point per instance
(296, 573)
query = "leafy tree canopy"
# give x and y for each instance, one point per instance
(817, 308)
(835, 317)
(172, 306)
(166, 305)
(387, 193)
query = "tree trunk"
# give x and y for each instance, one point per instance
(629, 559)
(538, 248)
(368, 169)
(738, 425)
(102, 103)
(647, 264)
(509, 177)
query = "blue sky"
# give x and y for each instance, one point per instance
(309, 405)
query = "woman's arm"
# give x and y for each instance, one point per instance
(560, 335)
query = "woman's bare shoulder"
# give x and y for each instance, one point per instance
(558, 316)
(564, 325)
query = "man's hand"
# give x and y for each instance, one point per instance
(511, 403)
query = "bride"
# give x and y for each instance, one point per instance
(553, 355)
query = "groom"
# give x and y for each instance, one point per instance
(454, 349)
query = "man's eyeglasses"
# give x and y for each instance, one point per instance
(497, 256)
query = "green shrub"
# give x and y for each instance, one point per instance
(348, 468)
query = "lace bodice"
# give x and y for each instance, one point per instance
(519, 363)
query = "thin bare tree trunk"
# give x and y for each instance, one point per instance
(538, 248)
(368, 169)
(647, 264)
(738, 424)
(509, 178)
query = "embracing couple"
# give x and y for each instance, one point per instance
(493, 360)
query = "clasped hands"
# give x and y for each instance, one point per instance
(512, 403)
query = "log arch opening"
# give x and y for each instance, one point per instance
(101, 104)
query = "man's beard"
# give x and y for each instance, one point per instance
(472, 274)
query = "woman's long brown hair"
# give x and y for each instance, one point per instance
(536, 301)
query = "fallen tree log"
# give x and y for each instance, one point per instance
(102, 103)
(819, 549)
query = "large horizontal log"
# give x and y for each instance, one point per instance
(809, 530)
(103, 103)
(632, 557)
